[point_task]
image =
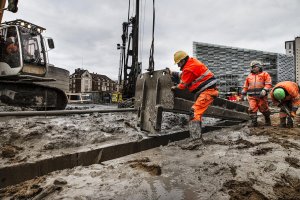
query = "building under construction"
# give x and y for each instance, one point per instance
(231, 64)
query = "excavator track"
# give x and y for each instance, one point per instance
(32, 95)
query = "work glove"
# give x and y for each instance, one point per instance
(173, 88)
(168, 70)
(297, 120)
(243, 95)
(293, 114)
(263, 93)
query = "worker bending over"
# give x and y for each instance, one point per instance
(286, 95)
(198, 79)
(256, 86)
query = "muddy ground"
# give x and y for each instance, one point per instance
(239, 162)
(28, 139)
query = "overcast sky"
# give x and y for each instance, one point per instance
(86, 32)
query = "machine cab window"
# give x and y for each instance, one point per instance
(33, 51)
(9, 47)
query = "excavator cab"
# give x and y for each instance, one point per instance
(23, 50)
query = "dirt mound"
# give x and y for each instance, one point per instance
(239, 190)
(143, 164)
(294, 162)
(25, 190)
(10, 151)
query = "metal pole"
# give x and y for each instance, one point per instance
(63, 112)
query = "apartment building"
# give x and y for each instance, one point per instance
(292, 48)
(82, 81)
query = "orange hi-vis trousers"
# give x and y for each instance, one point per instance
(203, 101)
(256, 103)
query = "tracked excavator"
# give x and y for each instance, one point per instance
(23, 63)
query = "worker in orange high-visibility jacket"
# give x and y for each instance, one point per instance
(257, 86)
(198, 79)
(287, 96)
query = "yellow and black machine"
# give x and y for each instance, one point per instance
(116, 97)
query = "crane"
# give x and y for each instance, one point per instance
(130, 67)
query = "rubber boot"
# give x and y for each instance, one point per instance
(195, 129)
(253, 117)
(289, 123)
(282, 122)
(267, 118)
(297, 121)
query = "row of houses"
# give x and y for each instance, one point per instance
(98, 87)
(82, 81)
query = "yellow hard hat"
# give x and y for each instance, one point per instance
(256, 63)
(179, 55)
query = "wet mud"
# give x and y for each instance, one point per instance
(288, 187)
(29, 139)
(238, 162)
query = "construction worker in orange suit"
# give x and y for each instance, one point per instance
(198, 79)
(257, 86)
(287, 96)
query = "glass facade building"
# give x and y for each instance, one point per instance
(231, 65)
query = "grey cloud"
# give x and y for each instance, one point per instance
(86, 32)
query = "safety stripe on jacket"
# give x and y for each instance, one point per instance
(208, 85)
(200, 77)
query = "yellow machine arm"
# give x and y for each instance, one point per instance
(12, 6)
(2, 4)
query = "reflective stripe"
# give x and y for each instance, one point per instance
(201, 77)
(207, 85)
(255, 91)
(262, 82)
(257, 83)
(179, 73)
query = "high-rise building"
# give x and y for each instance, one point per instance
(293, 48)
(231, 65)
